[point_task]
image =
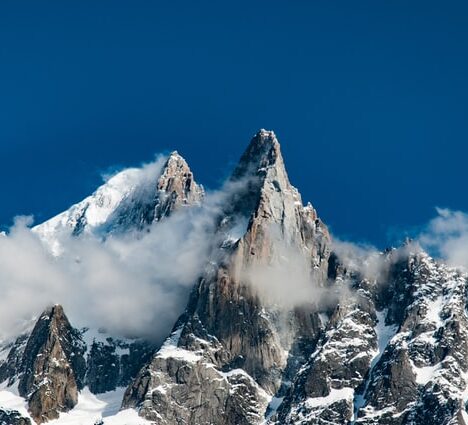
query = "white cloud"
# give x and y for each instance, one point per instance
(134, 284)
(286, 281)
(446, 236)
(137, 284)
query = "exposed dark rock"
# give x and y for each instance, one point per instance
(11, 368)
(11, 417)
(53, 366)
(114, 363)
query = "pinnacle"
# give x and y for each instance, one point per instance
(175, 156)
(263, 151)
(174, 161)
(53, 310)
(265, 139)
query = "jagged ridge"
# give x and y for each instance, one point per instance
(387, 350)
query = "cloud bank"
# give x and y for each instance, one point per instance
(137, 284)
(130, 286)
(133, 285)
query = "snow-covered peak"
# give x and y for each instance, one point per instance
(132, 198)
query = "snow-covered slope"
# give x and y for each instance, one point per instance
(131, 199)
(91, 409)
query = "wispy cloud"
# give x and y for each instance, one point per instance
(133, 284)
(446, 235)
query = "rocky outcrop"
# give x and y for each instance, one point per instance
(229, 349)
(113, 363)
(421, 377)
(11, 368)
(176, 188)
(53, 366)
(11, 417)
(397, 366)
(53, 362)
(324, 390)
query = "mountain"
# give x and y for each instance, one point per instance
(130, 200)
(52, 363)
(228, 337)
(281, 327)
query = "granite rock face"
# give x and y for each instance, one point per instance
(113, 363)
(13, 351)
(422, 375)
(281, 328)
(173, 189)
(404, 364)
(52, 366)
(385, 350)
(230, 348)
(176, 188)
(53, 362)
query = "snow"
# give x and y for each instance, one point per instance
(273, 407)
(91, 335)
(236, 372)
(334, 396)
(323, 319)
(425, 374)
(98, 208)
(90, 408)
(170, 349)
(384, 336)
(434, 307)
(10, 400)
(126, 417)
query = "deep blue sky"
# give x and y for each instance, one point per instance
(368, 98)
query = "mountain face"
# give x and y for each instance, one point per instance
(279, 329)
(51, 364)
(394, 355)
(228, 336)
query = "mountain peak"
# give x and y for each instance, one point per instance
(261, 174)
(53, 312)
(176, 186)
(52, 353)
(174, 156)
(132, 199)
(175, 167)
(263, 151)
(264, 137)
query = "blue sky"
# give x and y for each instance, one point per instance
(368, 99)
